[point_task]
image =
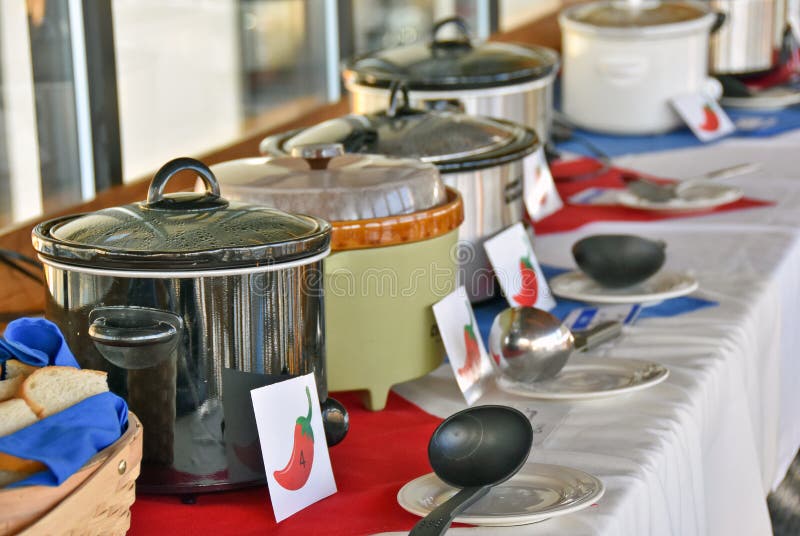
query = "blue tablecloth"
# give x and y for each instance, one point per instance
(775, 122)
(485, 312)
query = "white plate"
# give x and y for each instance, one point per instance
(538, 492)
(591, 377)
(769, 99)
(700, 195)
(663, 285)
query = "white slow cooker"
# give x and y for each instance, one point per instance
(623, 62)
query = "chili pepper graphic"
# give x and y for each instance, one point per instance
(710, 120)
(295, 474)
(529, 290)
(537, 175)
(472, 362)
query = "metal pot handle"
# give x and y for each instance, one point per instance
(102, 332)
(463, 29)
(210, 199)
(335, 420)
(397, 89)
(134, 337)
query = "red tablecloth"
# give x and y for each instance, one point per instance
(382, 451)
(568, 176)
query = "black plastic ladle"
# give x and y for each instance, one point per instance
(474, 449)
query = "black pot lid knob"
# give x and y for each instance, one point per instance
(398, 98)
(464, 39)
(210, 199)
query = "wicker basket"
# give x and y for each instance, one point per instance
(94, 501)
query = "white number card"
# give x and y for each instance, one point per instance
(517, 269)
(704, 116)
(539, 188)
(293, 444)
(462, 340)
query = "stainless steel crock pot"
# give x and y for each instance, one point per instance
(503, 80)
(395, 231)
(745, 40)
(484, 159)
(188, 300)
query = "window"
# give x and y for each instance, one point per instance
(97, 92)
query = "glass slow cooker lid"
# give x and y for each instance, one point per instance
(624, 14)
(324, 181)
(453, 64)
(452, 140)
(182, 231)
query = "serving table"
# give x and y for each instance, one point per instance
(694, 455)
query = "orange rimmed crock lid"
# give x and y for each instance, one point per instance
(400, 229)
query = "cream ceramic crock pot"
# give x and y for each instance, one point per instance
(622, 65)
(394, 242)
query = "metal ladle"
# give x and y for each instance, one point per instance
(474, 449)
(533, 345)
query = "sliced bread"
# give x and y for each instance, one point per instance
(52, 389)
(16, 368)
(9, 388)
(15, 414)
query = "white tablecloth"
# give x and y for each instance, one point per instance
(697, 454)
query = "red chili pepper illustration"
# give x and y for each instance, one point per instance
(710, 120)
(472, 362)
(529, 290)
(295, 474)
(537, 174)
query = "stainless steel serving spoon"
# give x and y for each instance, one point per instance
(661, 193)
(533, 345)
(474, 449)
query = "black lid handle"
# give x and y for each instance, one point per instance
(397, 89)
(719, 20)
(463, 30)
(210, 199)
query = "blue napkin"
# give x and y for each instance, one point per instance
(63, 442)
(485, 312)
(37, 342)
(775, 122)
